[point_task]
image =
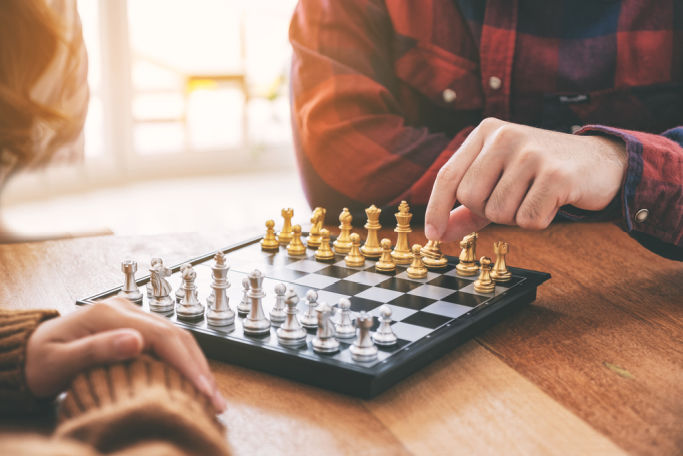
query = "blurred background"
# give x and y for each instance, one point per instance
(188, 127)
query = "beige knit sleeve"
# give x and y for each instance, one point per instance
(141, 407)
(15, 329)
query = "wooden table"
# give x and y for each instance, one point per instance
(594, 365)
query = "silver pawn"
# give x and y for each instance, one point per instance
(310, 319)
(363, 349)
(324, 341)
(130, 289)
(243, 307)
(344, 326)
(190, 309)
(384, 334)
(220, 313)
(160, 301)
(291, 333)
(256, 323)
(180, 292)
(278, 313)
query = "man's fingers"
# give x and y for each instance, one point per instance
(446, 184)
(461, 222)
(539, 205)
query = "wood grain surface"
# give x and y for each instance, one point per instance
(594, 365)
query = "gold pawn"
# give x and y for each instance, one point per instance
(355, 259)
(485, 284)
(296, 247)
(324, 252)
(417, 269)
(269, 241)
(343, 242)
(500, 272)
(371, 248)
(285, 235)
(385, 262)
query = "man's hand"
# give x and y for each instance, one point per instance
(518, 175)
(109, 331)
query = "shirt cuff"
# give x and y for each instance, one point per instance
(650, 196)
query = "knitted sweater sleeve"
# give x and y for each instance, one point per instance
(15, 329)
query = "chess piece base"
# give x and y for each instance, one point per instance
(417, 273)
(277, 316)
(163, 305)
(363, 353)
(191, 313)
(402, 257)
(256, 328)
(325, 256)
(313, 242)
(384, 267)
(384, 339)
(478, 287)
(309, 323)
(284, 239)
(345, 333)
(341, 247)
(371, 252)
(355, 263)
(270, 246)
(134, 296)
(330, 345)
(501, 277)
(291, 339)
(297, 251)
(432, 263)
(467, 269)
(222, 318)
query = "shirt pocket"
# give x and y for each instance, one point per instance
(653, 108)
(448, 80)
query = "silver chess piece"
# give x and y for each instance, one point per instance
(291, 333)
(344, 326)
(324, 341)
(220, 313)
(180, 292)
(130, 289)
(243, 307)
(256, 323)
(384, 334)
(363, 349)
(310, 319)
(278, 313)
(160, 301)
(189, 308)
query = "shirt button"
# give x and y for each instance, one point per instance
(575, 128)
(495, 82)
(449, 95)
(641, 215)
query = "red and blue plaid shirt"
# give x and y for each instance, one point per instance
(384, 92)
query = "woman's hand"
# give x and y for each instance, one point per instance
(105, 332)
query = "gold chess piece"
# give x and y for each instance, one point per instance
(417, 269)
(402, 253)
(485, 284)
(317, 221)
(468, 259)
(500, 272)
(285, 235)
(371, 248)
(324, 252)
(432, 256)
(355, 259)
(269, 241)
(295, 247)
(386, 261)
(343, 242)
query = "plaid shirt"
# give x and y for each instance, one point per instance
(384, 91)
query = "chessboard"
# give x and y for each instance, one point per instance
(430, 316)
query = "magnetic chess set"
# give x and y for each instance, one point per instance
(348, 317)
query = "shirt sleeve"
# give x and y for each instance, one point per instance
(651, 198)
(15, 329)
(354, 146)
